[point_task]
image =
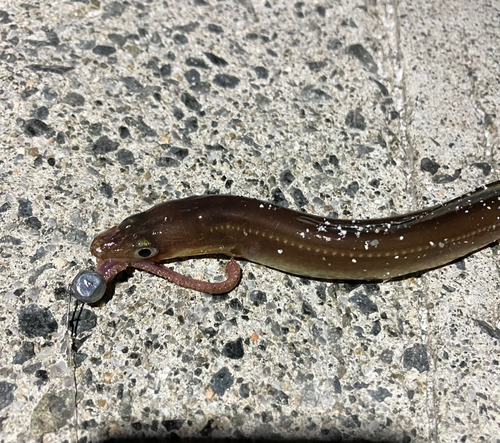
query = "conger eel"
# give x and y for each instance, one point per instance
(290, 241)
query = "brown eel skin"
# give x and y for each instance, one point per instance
(295, 242)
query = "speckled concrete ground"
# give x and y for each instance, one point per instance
(348, 108)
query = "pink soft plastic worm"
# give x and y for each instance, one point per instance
(109, 269)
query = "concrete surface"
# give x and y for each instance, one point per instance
(360, 109)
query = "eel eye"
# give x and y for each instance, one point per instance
(144, 249)
(144, 253)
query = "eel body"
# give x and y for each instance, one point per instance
(299, 243)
